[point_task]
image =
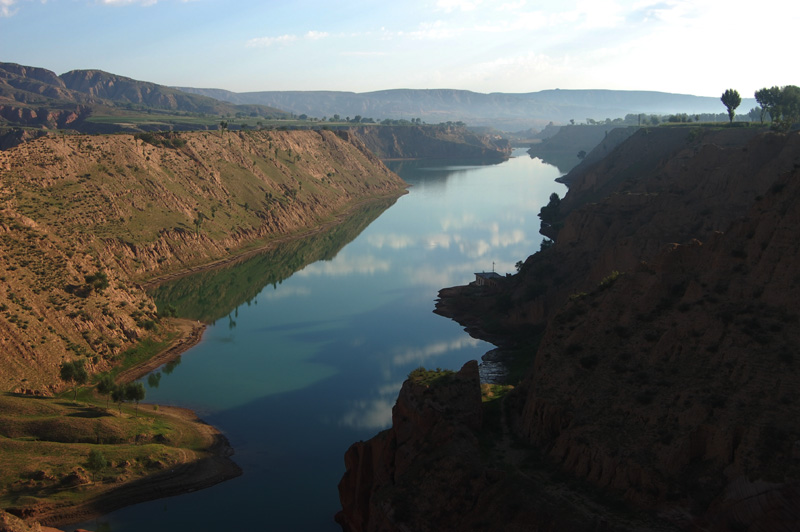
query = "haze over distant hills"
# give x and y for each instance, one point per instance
(36, 97)
(505, 111)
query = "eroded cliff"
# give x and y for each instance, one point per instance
(666, 377)
(83, 219)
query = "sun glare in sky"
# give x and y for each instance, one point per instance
(694, 47)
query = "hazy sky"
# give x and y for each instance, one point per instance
(695, 47)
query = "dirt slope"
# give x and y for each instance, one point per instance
(83, 219)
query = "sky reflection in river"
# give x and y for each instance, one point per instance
(310, 344)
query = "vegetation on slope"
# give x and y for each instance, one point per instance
(63, 461)
(84, 218)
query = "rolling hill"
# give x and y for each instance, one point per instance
(504, 111)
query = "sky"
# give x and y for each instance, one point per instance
(697, 47)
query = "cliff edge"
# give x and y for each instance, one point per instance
(662, 393)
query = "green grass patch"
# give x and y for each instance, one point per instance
(45, 444)
(493, 392)
(144, 350)
(430, 377)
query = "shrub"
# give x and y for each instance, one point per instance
(427, 377)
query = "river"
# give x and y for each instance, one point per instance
(309, 343)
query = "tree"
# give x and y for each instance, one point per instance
(782, 104)
(731, 100)
(134, 391)
(74, 372)
(581, 154)
(789, 106)
(96, 462)
(198, 222)
(106, 386)
(769, 99)
(118, 396)
(549, 213)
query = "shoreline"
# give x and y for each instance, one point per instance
(192, 475)
(216, 466)
(190, 334)
(184, 478)
(269, 242)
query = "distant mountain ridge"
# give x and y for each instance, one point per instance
(37, 97)
(506, 111)
(32, 96)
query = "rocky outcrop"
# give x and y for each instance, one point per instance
(444, 415)
(666, 377)
(44, 117)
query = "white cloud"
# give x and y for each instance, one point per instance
(373, 414)
(448, 6)
(504, 240)
(263, 42)
(438, 30)
(421, 354)
(126, 2)
(344, 265)
(441, 240)
(600, 14)
(393, 241)
(464, 221)
(284, 292)
(6, 8)
(364, 54)
(436, 278)
(316, 35)
(475, 248)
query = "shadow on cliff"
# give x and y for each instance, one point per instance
(666, 379)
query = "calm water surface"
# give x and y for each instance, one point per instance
(311, 342)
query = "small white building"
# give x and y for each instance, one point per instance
(487, 278)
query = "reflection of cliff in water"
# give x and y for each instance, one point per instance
(213, 294)
(435, 170)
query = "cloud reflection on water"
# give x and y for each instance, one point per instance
(421, 354)
(393, 241)
(373, 413)
(344, 265)
(285, 292)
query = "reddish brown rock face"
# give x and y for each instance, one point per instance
(436, 416)
(667, 379)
